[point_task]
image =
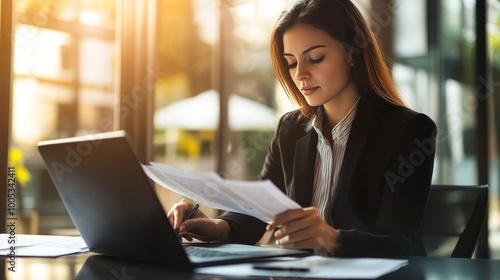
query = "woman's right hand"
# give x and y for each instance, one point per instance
(199, 226)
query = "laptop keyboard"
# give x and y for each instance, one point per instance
(200, 252)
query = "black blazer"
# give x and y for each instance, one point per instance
(383, 183)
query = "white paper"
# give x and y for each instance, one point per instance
(261, 199)
(27, 245)
(319, 267)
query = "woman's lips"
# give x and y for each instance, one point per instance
(309, 90)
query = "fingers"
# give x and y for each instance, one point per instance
(201, 229)
(291, 215)
(294, 226)
(327, 242)
(303, 228)
(198, 226)
(184, 232)
(176, 213)
(297, 230)
(186, 227)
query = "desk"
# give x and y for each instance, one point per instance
(91, 266)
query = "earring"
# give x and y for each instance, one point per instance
(352, 61)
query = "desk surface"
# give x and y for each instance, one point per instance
(90, 266)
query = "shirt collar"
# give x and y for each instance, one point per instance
(340, 130)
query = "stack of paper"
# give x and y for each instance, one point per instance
(261, 199)
(26, 245)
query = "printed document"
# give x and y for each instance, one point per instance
(260, 199)
(27, 245)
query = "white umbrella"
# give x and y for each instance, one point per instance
(201, 112)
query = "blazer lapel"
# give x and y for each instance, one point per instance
(304, 163)
(366, 118)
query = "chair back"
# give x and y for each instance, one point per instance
(452, 220)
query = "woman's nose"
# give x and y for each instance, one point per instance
(302, 73)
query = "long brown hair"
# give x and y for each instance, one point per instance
(343, 21)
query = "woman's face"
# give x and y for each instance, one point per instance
(318, 65)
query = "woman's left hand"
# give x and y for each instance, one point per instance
(304, 229)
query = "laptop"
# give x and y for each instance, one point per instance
(114, 206)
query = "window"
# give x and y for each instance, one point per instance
(210, 50)
(435, 70)
(64, 66)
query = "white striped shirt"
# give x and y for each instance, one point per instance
(328, 162)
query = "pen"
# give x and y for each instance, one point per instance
(281, 268)
(191, 213)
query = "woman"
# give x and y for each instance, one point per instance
(353, 156)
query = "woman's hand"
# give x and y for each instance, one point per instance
(199, 226)
(304, 229)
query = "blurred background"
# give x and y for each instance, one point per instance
(192, 82)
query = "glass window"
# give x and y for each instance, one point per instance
(64, 82)
(204, 47)
(435, 71)
(190, 62)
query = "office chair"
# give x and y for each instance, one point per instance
(452, 220)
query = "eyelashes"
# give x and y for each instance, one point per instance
(316, 61)
(312, 61)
